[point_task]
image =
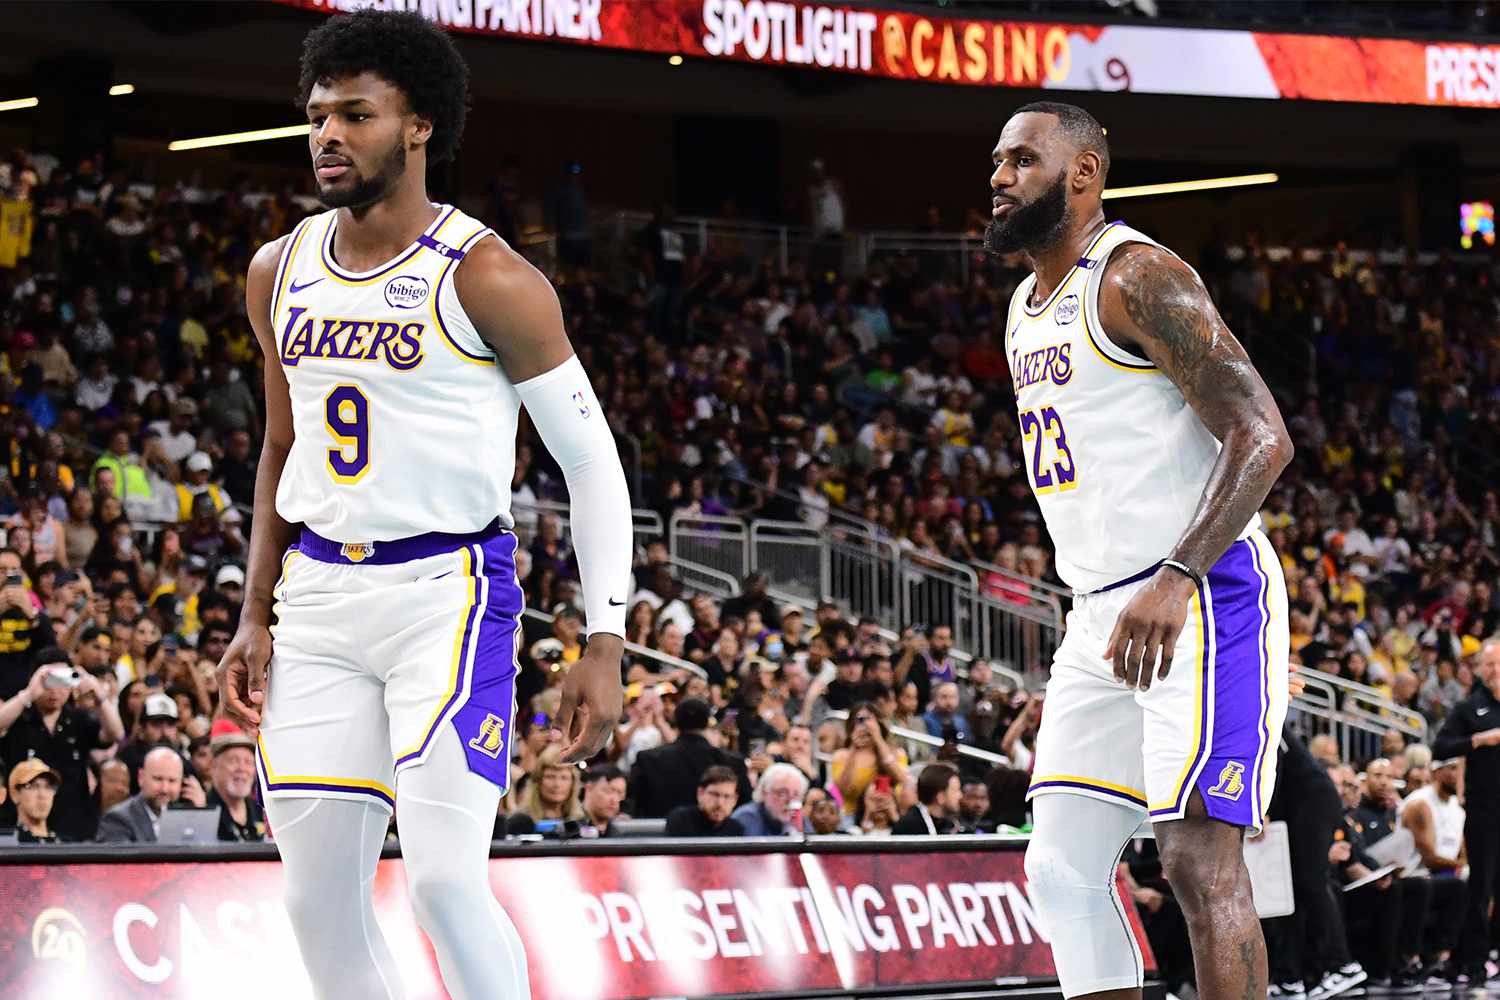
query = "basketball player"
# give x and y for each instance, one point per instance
(1150, 442)
(401, 338)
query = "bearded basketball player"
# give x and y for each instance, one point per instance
(1150, 442)
(401, 338)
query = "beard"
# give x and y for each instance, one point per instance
(1030, 226)
(367, 191)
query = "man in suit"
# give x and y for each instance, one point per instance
(667, 777)
(939, 795)
(135, 821)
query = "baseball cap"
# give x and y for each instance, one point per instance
(1438, 765)
(186, 407)
(196, 565)
(24, 340)
(565, 609)
(230, 574)
(199, 461)
(160, 706)
(28, 771)
(790, 609)
(226, 735)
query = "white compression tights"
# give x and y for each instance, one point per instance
(446, 816)
(1070, 865)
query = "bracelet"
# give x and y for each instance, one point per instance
(1185, 570)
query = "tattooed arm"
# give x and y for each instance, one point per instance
(1152, 304)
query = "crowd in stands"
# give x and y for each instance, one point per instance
(129, 438)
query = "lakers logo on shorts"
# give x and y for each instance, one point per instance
(357, 551)
(491, 738)
(1230, 785)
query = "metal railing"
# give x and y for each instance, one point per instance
(937, 591)
(721, 543)
(645, 524)
(862, 572)
(792, 555)
(1355, 715)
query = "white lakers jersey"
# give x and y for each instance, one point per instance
(1116, 457)
(404, 421)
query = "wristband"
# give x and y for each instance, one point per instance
(1185, 570)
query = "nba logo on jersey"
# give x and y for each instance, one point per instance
(1230, 785)
(405, 292)
(583, 408)
(357, 551)
(1067, 310)
(491, 738)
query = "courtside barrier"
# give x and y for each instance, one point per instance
(606, 919)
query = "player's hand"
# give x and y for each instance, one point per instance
(1295, 682)
(1148, 627)
(242, 675)
(592, 699)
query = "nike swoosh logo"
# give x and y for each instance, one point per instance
(1481, 711)
(616, 604)
(440, 575)
(295, 288)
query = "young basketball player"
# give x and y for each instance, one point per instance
(1150, 442)
(401, 338)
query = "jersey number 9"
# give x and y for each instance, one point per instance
(346, 413)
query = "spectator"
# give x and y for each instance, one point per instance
(196, 484)
(711, 815)
(754, 597)
(797, 750)
(939, 796)
(114, 784)
(824, 817)
(24, 626)
(33, 789)
(974, 808)
(229, 405)
(646, 726)
(550, 795)
(232, 775)
(603, 792)
(45, 721)
(777, 807)
(878, 812)
(158, 728)
(666, 778)
(867, 756)
(942, 719)
(138, 818)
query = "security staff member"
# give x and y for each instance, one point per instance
(1473, 731)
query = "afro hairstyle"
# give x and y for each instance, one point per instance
(406, 50)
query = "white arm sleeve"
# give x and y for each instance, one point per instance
(567, 414)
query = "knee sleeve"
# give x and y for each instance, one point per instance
(329, 850)
(446, 815)
(1070, 865)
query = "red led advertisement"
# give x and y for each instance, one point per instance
(907, 45)
(595, 928)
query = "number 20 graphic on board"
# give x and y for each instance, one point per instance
(346, 412)
(1037, 428)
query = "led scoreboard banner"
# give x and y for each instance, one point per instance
(908, 45)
